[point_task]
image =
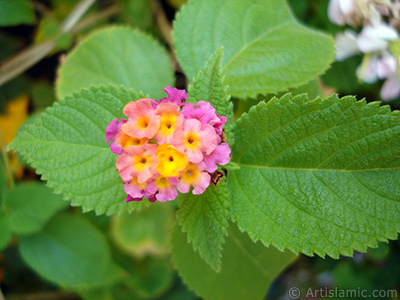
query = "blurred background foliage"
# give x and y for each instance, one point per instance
(138, 242)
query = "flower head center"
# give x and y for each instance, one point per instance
(170, 161)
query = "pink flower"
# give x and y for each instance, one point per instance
(140, 161)
(174, 96)
(135, 189)
(164, 188)
(143, 121)
(205, 113)
(167, 146)
(170, 120)
(112, 131)
(192, 140)
(195, 176)
(221, 156)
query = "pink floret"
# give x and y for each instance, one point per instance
(174, 96)
(166, 194)
(208, 139)
(137, 111)
(130, 199)
(205, 113)
(221, 156)
(112, 131)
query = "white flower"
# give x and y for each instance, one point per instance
(339, 11)
(391, 88)
(376, 38)
(346, 45)
(368, 70)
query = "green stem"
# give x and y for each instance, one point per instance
(395, 49)
(6, 161)
(364, 65)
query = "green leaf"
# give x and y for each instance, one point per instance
(119, 56)
(138, 13)
(30, 206)
(209, 86)
(150, 277)
(266, 49)
(317, 176)
(144, 232)
(15, 12)
(247, 268)
(5, 230)
(67, 146)
(70, 252)
(204, 218)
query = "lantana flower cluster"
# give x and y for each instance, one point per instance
(167, 146)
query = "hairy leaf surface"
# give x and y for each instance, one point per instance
(205, 218)
(66, 144)
(119, 56)
(208, 85)
(247, 268)
(266, 49)
(317, 176)
(71, 252)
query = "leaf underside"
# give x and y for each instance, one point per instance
(66, 145)
(317, 176)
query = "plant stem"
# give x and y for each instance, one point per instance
(77, 13)
(1, 295)
(24, 60)
(30, 56)
(395, 49)
(91, 20)
(6, 161)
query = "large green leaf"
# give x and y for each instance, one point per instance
(205, 218)
(67, 146)
(247, 268)
(119, 56)
(30, 206)
(317, 176)
(266, 49)
(208, 85)
(144, 232)
(15, 12)
(70, 252)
